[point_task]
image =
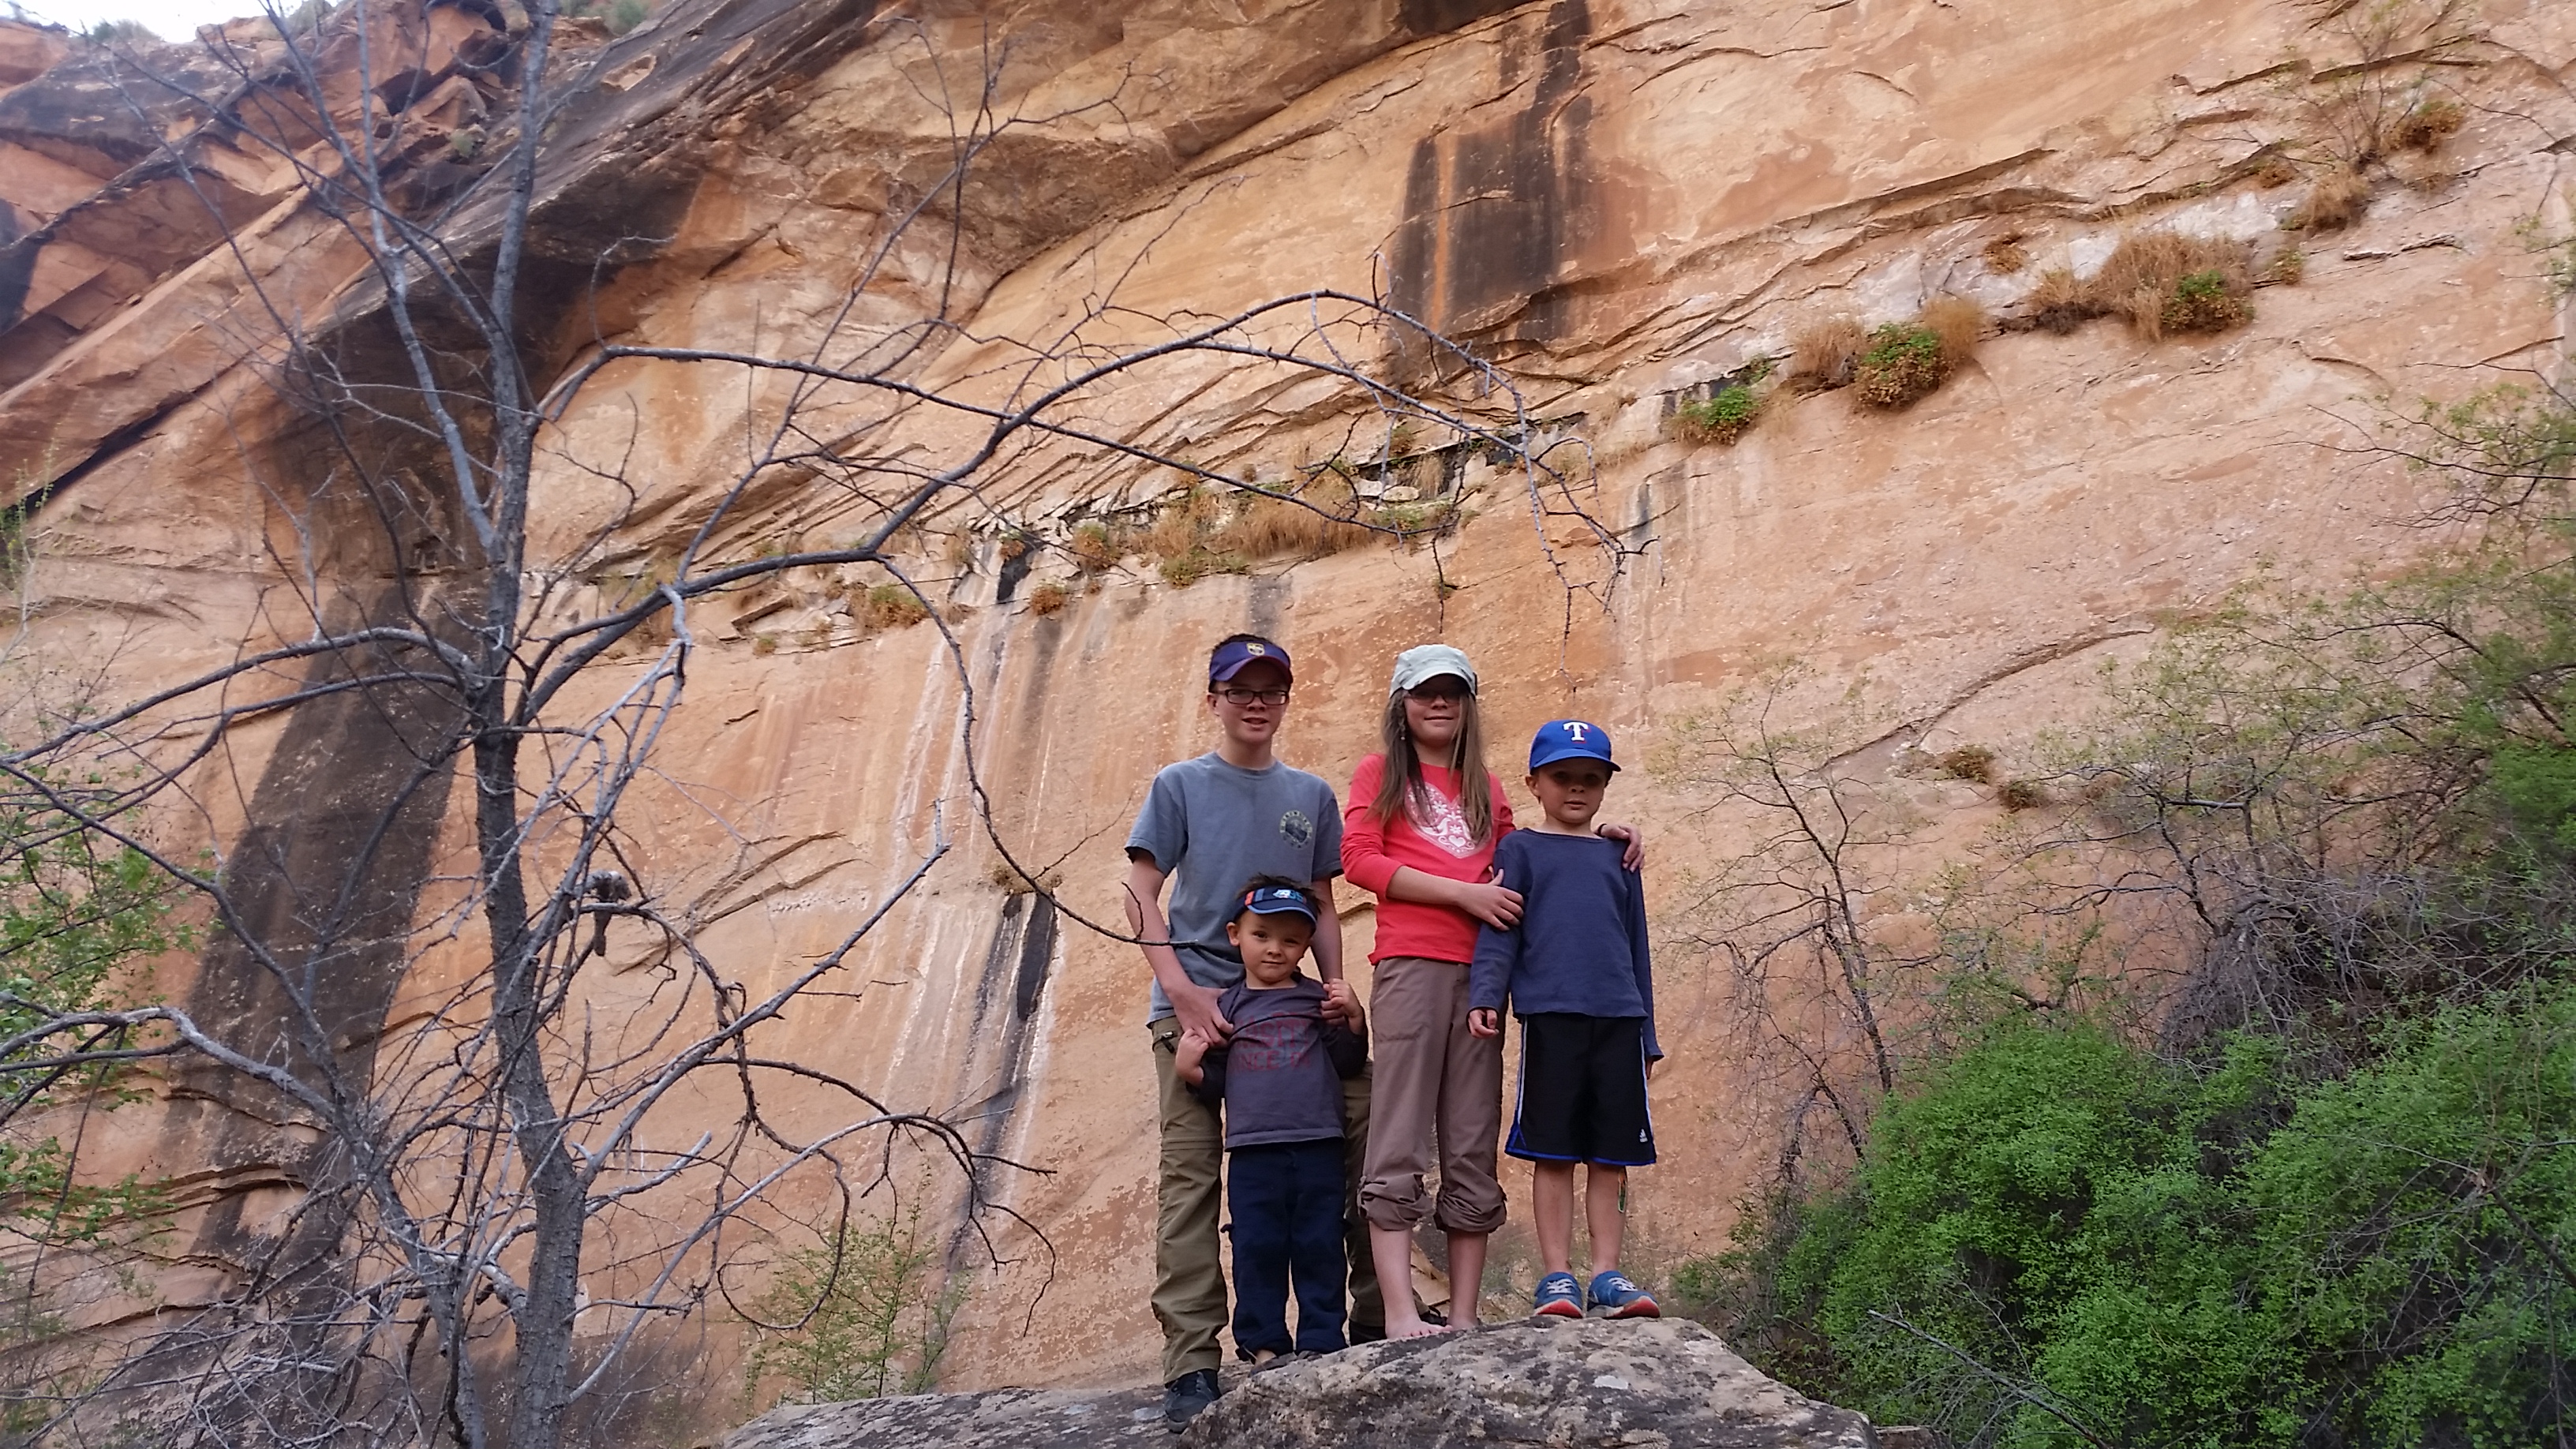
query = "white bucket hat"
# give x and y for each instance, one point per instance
(1425, 662)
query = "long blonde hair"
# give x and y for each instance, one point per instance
(1401, 788)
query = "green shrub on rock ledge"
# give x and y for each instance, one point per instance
(1905, 361)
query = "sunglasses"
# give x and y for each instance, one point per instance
(1437, 689)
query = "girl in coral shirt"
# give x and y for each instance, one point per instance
(1419, 832)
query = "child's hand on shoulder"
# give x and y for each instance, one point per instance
(1485, 1021)
(1498, 906)
(1342, 1004)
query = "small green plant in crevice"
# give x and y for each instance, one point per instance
(1904, 362)
(1721, 417)
(2203, 302)
(862, 1314)
(2557, 254)
(1411, 522)
(1183, 569)
(2288, 269)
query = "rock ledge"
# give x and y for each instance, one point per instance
(1569, 1386)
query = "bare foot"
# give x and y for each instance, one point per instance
(1262, 1356)
(1415, 1329)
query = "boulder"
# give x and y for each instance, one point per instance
(1571, 1385)
(996, 1419)
(1666, 1382)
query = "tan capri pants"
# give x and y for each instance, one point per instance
(1435, 1079)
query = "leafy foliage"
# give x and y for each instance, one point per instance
(77, 915)
(2303, 1171)
(860, 1315)
(1904, 361)
(2203, 302)
(1721, 417)
(2061, 1238)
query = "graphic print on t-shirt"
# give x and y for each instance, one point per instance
(1296, 827)
(1438, 819)
(1271, 1044)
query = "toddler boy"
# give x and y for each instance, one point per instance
(1576, 973)
(1279, 1079)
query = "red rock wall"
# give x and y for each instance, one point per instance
(1621, 200)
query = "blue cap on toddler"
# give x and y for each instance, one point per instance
(1279, 901)
(1570, 739)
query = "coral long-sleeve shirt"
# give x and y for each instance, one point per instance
(1432, 839)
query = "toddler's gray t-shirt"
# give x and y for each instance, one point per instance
(1212, 826)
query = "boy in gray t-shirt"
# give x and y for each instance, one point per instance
(1208, 825)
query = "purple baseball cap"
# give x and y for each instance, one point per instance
(1235, 655)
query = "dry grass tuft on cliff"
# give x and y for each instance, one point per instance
(1958, 322)
(1096, 547)
(2061, 302)
(1973, 763)
(2429, 124)
(2164, 281)
(2006, 256)
(2336, 201)
(1183, 524)
(887, 606)
(1049, 598)
(1318, 519)
(1824, 353)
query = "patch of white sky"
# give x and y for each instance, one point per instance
(168, 19)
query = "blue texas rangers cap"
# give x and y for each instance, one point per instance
(1231, 657)
(1279, 900)
(1569, 739)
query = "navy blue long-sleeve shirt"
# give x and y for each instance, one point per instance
(1581, 944)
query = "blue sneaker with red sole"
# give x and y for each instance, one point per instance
(1613, 1296)
(1559, 1295)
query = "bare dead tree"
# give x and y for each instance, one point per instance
(494, 1213)
(1796, 912)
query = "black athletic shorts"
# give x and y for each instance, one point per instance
(1583, 1091)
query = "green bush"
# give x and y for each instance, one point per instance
(2203, 302)
(2058, 1229)
(1721, 417)
(1904, 362)
(860, 1315)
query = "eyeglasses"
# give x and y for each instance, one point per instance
(1437, 689)
(1237, 694)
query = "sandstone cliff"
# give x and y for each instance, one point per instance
(1620, 201)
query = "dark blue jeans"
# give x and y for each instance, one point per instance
(1287, 1222)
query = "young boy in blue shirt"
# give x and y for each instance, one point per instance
(1279, 1079)
(1576, 973)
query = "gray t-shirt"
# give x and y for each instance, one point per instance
(1212, 826)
